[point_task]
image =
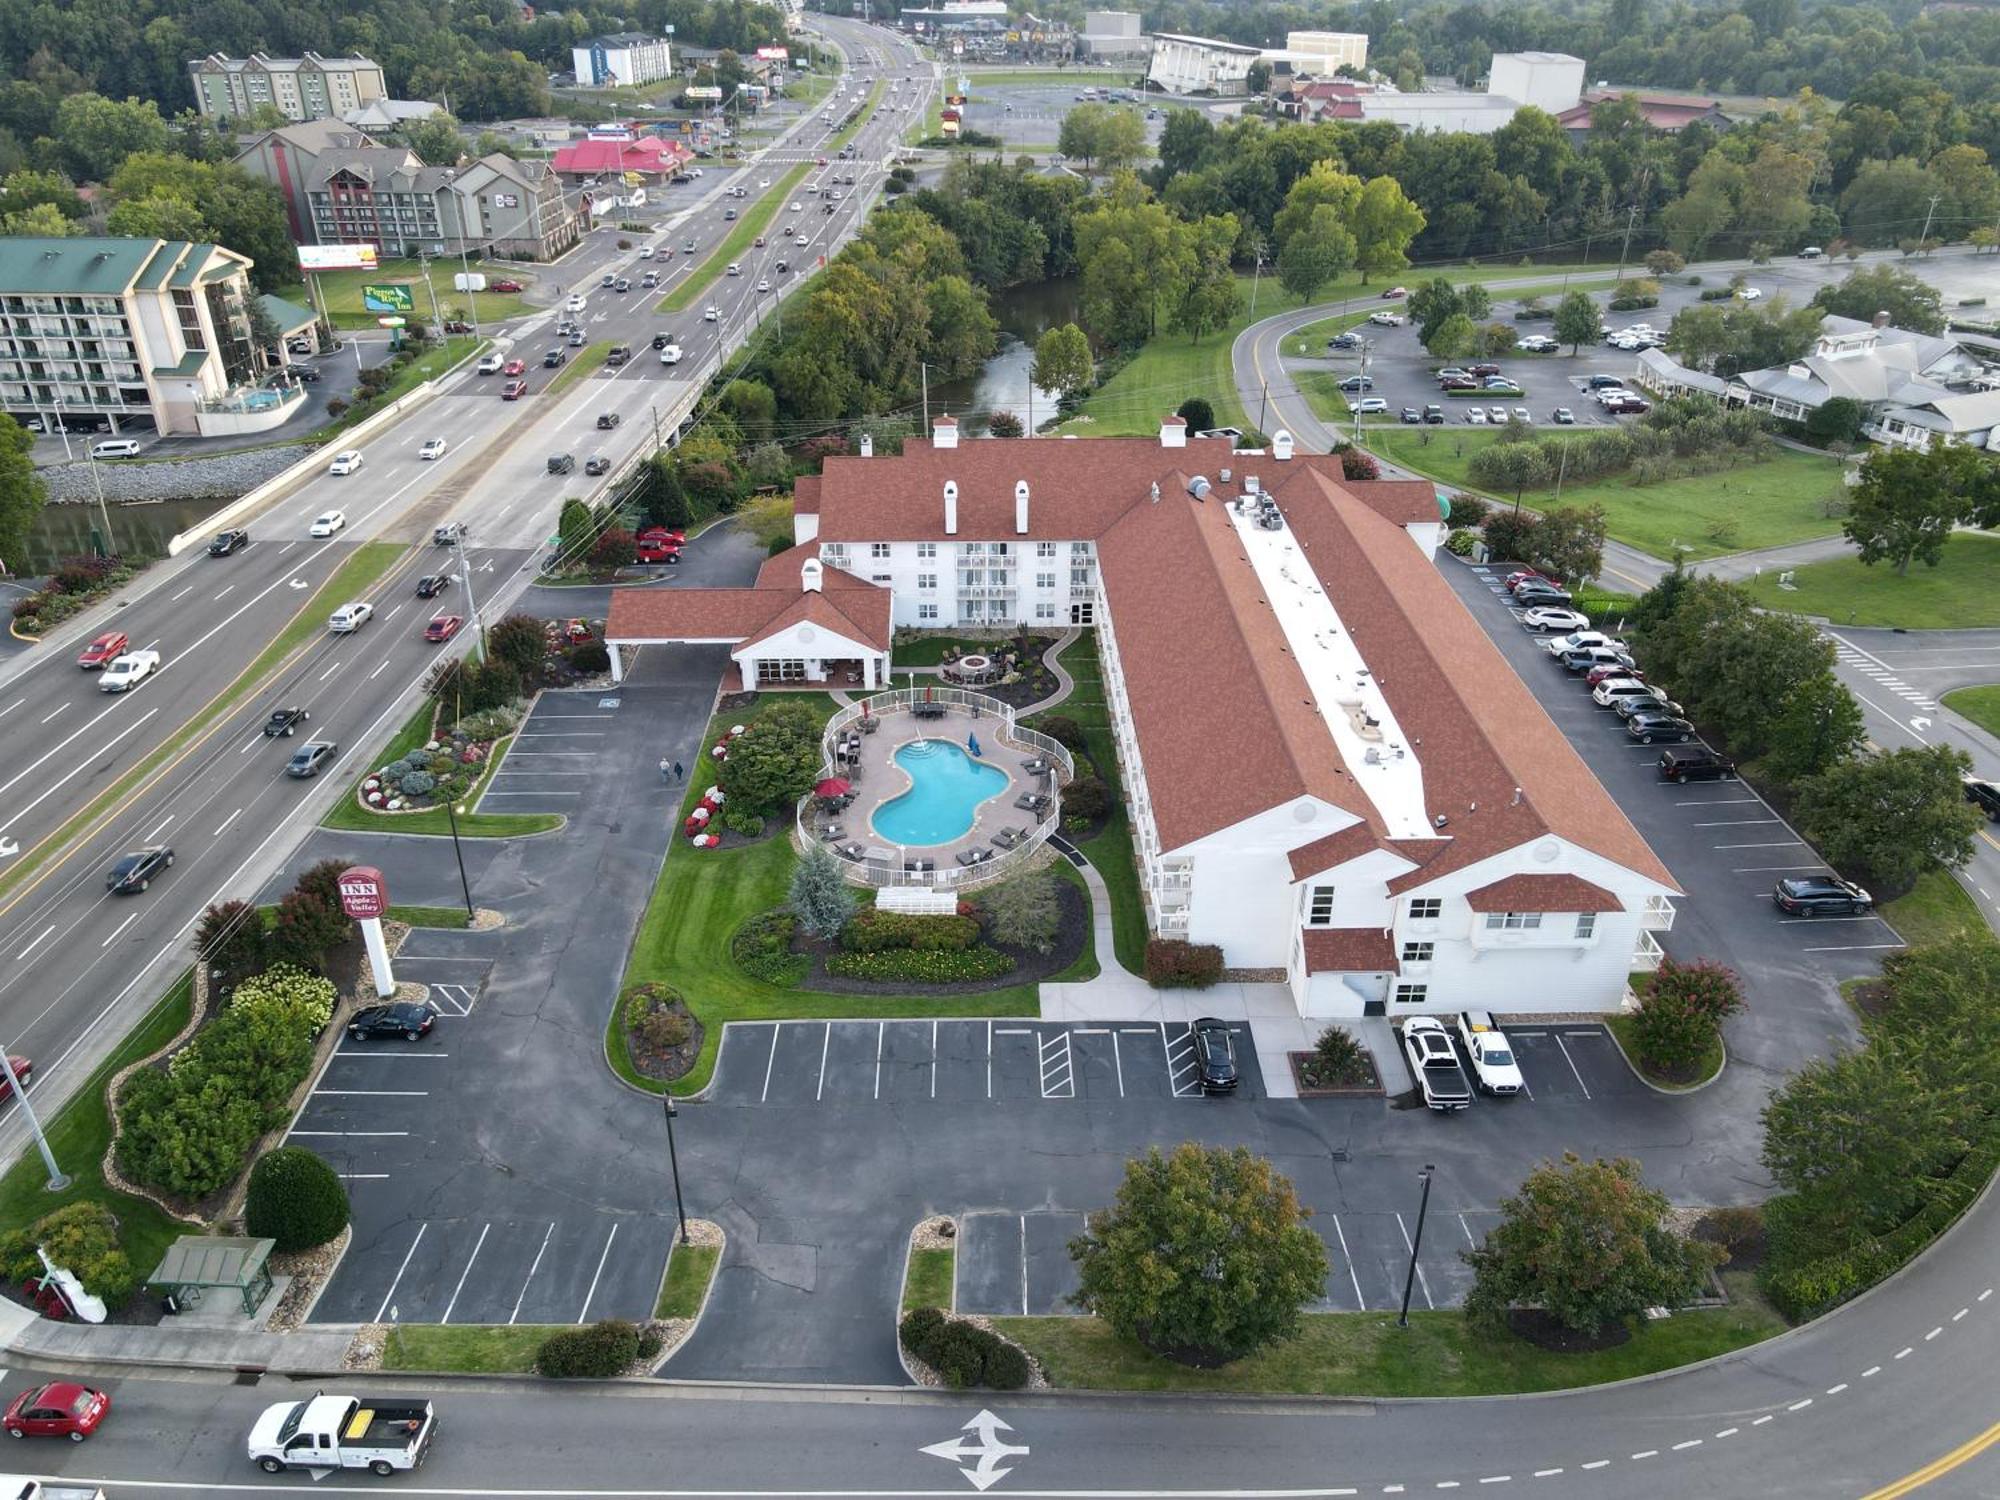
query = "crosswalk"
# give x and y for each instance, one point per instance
(1875, 671)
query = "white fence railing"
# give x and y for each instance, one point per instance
(885, 866)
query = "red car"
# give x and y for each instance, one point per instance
(1613, 669)
(100, 651)
(58, 1409)
(513, 390)
(443, 628)
(658, 546)
(23, 1067)
(514, 367)
(506, 286)
(822, 161)
(1395, 294)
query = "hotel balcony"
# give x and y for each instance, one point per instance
(986, 591)
(1658, 915)
(1647, 954)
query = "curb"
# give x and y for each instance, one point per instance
(707, 1292)
(1671, 1093)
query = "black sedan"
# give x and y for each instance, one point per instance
(405, 1019)
(1658, 724)
(1821, 895)
(597, 465)
(227, 542)
(136, 870)
(1530, 595)
(1983, 795)
(285, 721)
(309, 757)
(1214, 1056)
(432, 584)
(661, 340)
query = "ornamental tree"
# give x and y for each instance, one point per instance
(294, 1198)
(820, 896)
(1681, 1014)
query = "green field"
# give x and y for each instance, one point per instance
(1768, 504)
(1366, 1354)
(1935, 910)
(342, 290)
(1979, 704)
(474, 1349)
(1961, 593)
(1322, 392)
(755, 220)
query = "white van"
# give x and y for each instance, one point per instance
(114, 448)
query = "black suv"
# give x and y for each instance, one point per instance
(554, 359)
(619, 355)
(309, 757)
(227, 542)
(136, 870)
(596, 465)
(1696, 765)
(1658, 724)
(432, 584)
(1819, 895)
(561, 463)
(284, 721)
(405, 1019)
(606, 420)
(661, 340)
(1214, 1056)
(1983, 795)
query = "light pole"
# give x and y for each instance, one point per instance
(674, 1160)
(58, 1179)
(1416, 1244)
(451, 813)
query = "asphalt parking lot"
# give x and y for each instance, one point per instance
(556, 754)
(1030, 116)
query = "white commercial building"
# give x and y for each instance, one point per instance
(1320, 54)
(621, 60)
(1332, 773)
(1112, 34)
(1551, 81)
(1199, 64)
(300, 88)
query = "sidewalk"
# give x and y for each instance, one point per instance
(173, 1343)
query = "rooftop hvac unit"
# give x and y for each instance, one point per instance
(1198, 487)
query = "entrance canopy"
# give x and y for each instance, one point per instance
(197, 1262)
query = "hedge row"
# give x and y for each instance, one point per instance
(1172, 964)
(607, 1348)
(762, 948)
(923, 965)
(962, 1353)
(877, 931)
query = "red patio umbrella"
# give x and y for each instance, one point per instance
(833, 786)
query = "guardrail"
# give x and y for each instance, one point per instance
(884, 867)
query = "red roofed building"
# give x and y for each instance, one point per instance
(1669, 114)
(647, 155)
(1331, 770)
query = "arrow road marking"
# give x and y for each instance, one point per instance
(989, 1450)
(1920, 724)
(300, 583)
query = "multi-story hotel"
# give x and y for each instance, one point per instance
(301, 88)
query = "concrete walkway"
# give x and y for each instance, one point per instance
(174, 1342)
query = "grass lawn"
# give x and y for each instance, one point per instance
(1366, 1354)
(1962, 592)
(1933, 910)
(342, 290)
(1979, 704)
(755, 220)
(1626, 1029)
(430, 916)
(586, 361)
(929, 650)
(428, 366)
(80, 1133)
(1759, 505)
(703, 895)
(689, 1270)
(929, 1283)
(353, 579)
(348, 813)
(473, 1349)
(1323, 394)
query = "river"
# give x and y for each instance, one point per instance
(138, 530)
(1024, 313)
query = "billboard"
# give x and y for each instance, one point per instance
(391, 298)
(363, 892)
(702, 91)
(337, 258)
(772, 54)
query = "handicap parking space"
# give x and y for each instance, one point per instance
(552, 761)
(1011, 1264)
(455, 981)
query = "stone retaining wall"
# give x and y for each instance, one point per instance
(220, 476)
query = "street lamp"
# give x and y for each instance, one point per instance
(451, 813)
(1416, 1244)
(673, 1157)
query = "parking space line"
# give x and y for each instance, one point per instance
(1822, 921)
(400, 1270)
(934, 1029)
(1118, 1063)
(1024, 1265)
(341, 1133)
(1738, 822)
(484, 1229)
(597, 1274)
(1717, 801)
(515, 1316)
(372, 1093)
(1854, 948)
(1360, 1302)
(1468, 1231)
(776, 1027)
(1062, 1072)
(362, 1176)
(989, 1059)
(1423, 1281)
(1767, 869)
(879, 1028)
(825, 1042)
(1780, 844)
(1572, 1067)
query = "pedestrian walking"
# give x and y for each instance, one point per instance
(667, 768)
(679, 774)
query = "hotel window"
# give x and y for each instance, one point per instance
(926, 551)
(1319, 906)
(1079, 549)
(878, 549)
(1079, 578)
(781, 670)
(927, 580)
(1045, 549)
(927, 612)
(1412, 994)
(1513, 921)
(882, 578)
(1586, 925)
(1418, 953)
(1045, 611)
(1045, 580)
(1426, 908)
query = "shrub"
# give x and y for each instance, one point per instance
(1087, 797)
(417, 784)
(604, 1349)
(1024, 912)
(298, 998)
(1682, 1013)
(963, 1354)
(876, 931)
(307, 928)
(1007, 1367)
(1337, 1051)
(230, 940)
(1469, 510)
(1004, 424)
(294, 1198)
(81, 1238)
(590, 657)
(650, 1344)
(1199, 414)
(1174, 964)
(519, 640)
(920, 1330)
(654, 1013)
(1461, 543)
(1509, 536)
(741, 820)
(1355, 464)
(1063, 730)
(922, 965)
(762, 948)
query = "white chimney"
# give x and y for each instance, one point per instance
(1173, 432)
(944, 432)
(809, 575)
(1021, 507)
(867, 445)
(1281, 446)
(951, 507)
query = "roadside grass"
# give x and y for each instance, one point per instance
(342, 291)
(1323, 394)
(1626, 1029)
(755, 220)
(353, 579)
(1935, 910)
(690, 1268)
(1979, 704)
(349, 814)
(427, 366)
(1961, 593)
(429, 916)
(80, 1133)
(929, 1282)
(699, 900)
(1366, 1354)
(1779, 500)
(470, 1349)
(1055, 78)
(587, 361)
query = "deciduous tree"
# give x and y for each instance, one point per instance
(1062, 360)
(1892, 816)
(1908, 502)
(1681, 1013)
(1024, 912)
(1577, 320)
(1819, 726)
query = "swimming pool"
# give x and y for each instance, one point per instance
(947, 786)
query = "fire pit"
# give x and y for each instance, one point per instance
(973, 669)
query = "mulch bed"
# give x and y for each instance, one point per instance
(143, 1311)
(1544, 1332)
(1359, 1079)
(1746, 1250)
(664, 1063)
(1030, 967)
(1870, 997)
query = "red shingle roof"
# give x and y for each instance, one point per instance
(1349, 950)
(1543, 893)
(781, 570)
(747, 616)
(648, 154)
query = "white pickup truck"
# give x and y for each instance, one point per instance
(1494, 1070)
(378, 1433)
(21, 1487)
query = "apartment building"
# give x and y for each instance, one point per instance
(622, 60)
(301, 88)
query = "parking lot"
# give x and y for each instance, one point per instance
(1030, 116)
(962, 1062)
(555, 754)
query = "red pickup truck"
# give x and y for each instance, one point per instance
(657, 544)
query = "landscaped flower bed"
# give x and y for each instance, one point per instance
(76, 583)
(662, 1036)
(441, 770)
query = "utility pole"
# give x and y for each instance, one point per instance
(1256, 278)
(437, 317)
(58, 1180)
(1925, 236)
(1631, 218)
(1264, 406)
(674, 1159)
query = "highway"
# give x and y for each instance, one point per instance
(80, 963)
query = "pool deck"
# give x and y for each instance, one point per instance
(881, 780)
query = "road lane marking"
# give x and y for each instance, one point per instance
(1938, 1467)
(158, 827)
(329, 671)
(32, 946)
(227, 821)
(227, 588)
(181, 595)
(118, 929)
(63, 710)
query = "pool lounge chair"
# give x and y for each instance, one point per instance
(852, 851)
(1007, 838)
(919, 866)
(1032, 802)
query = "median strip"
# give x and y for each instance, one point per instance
(753, 223)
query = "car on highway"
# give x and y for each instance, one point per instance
(798, 207)
(576, 341)
(802, 242)
(1358, 383)
(514, 367)
(128, 671)
(1214, 1056)
(513, 390)
(309, 757)
(606, 420)
(1657, 724)
(432, 584)
(763, 286)
(1554, 617)
(661, 340)
(284, 722)
(345, 462)
(618, 355)
(670, 354)
(623, 284)
(407, 1019)
(226, 542)
(782, 267)
(135, 871)
(688, 248)
(326, 523)
(504, 285)
(735, 268)
(729, 213)
(59, 1409)
(554, 359)
(442, 628)
(758, 243)
(1821, 895)
(104, 650)
(23, 1067)
(597, 464)
(576, 303)
(561, 463)
(350, 617)
(1494, 1070)
(1983, 795)
(1369, 406)
(492, 364)
(710, 313)
(435, 448)
(650, 280)
(1695, 765)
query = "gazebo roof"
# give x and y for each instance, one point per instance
(212, 1260)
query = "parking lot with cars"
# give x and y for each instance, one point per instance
(1030, 116)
